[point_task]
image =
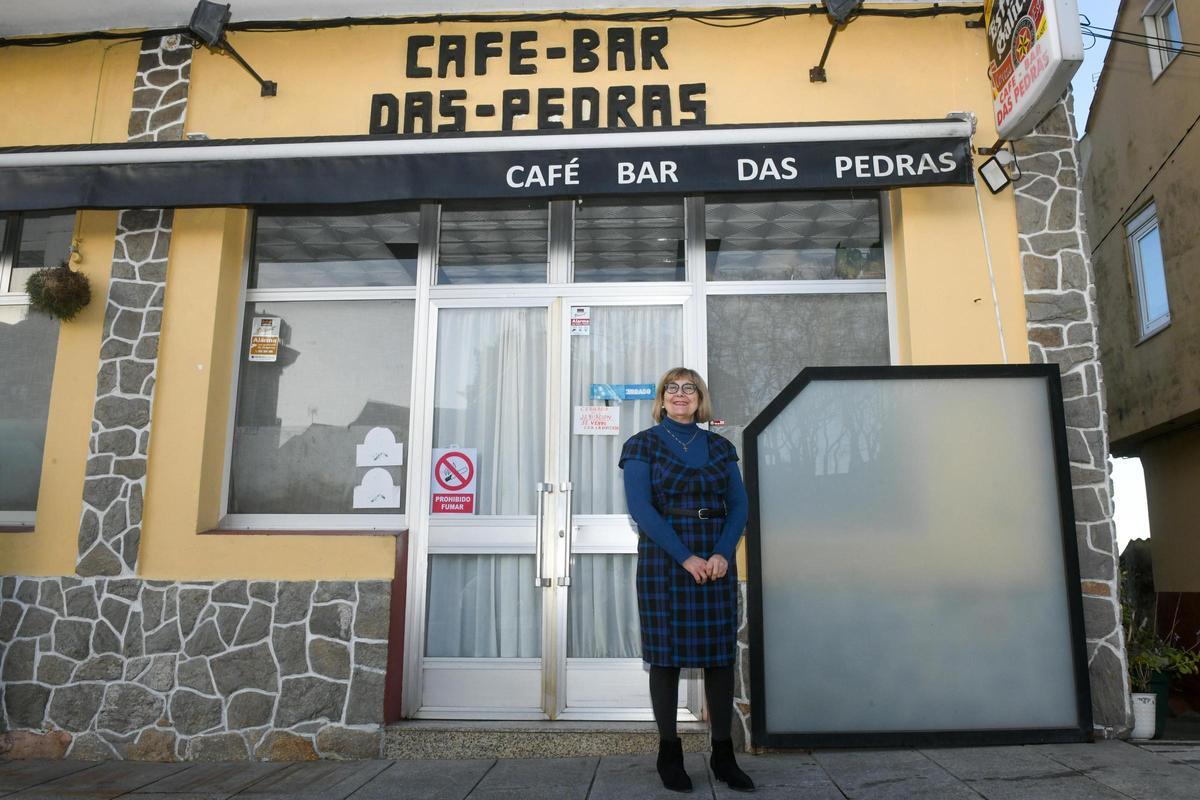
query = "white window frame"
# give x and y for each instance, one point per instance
(1141, 226)
(366, 523)
(1154, 18)
(10, 241)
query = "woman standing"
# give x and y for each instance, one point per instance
(686, 495)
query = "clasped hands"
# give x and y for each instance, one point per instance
(704, 571)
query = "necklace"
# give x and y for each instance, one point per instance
(682, 443)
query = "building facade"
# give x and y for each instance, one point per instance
(318, 456)
(1138, 187)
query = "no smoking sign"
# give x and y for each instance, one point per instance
(453, 481)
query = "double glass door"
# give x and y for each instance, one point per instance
(530, 604)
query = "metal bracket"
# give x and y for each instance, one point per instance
(991, 151)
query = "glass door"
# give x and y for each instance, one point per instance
(615, 354)
(485, 627)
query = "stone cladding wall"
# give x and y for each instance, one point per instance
(163, 671)
(1060, 303)
(110, 522)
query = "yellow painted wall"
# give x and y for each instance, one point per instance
(190, 422)
(82, 93)
(878, 69)
(66, 95)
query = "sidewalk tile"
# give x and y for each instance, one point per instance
(1129, 769)
(534, 778)
(782, 776)
(209, 780)
(425, 780)
(105, 780)
(1018, 773)
(628, 777)
(890, 775)
(18, 775)
(327, 780)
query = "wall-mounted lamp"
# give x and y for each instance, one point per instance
(208, 26)
(839, 12)
(1000, 170)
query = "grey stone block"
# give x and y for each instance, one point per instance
(193, 673)
(74, 708)
(255, 626)
(365, 706)
(115, 348)
(263, 590)
(115, 611)
(218, 747)
(119, 412)
(161, 674)
(289, 643)
(113, 523)
(374, 610)
(139, 219)
(147, 347)
(191, 603)
(346, 743)
(294, 599)
(10, 618)
(371, 654)
(205, 641)
(163, 640)
(19, 659)
(105, 668)
(100, 560)
(25, 704)
(72, 638)
(192, 713)
(96, 466)
(128, 707)
(119, 443)
(81, 602)
(231, 592)
(1099, 617)
(27, 590)
(249, 668)
(303, 699)
(50, 597)
(334, 621)
(330, 659)
(334, 590)
(228, 620)
(54, 670)
(250, 710)
(37, 621)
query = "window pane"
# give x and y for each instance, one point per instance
(45, 242)
(483, 606)
(602, 612)
(1154, 282)
(758, 238)
(490, 396)
(335, 250)
(493, 243)
(628, 240)
(28, 343)
(1170, 30)
(344, 368)
(758, 343)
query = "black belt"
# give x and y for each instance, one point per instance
(695, 513)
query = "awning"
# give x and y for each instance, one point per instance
(251, 172)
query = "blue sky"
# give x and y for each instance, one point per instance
(1101, 13)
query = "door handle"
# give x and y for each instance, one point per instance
(567, 535)
(543, 489)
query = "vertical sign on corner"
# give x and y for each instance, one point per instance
(453, 487)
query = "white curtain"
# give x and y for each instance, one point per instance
(483, 606)
(602, 616)
(491, 395)
(627, 344)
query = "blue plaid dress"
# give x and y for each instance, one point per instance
(684, 624)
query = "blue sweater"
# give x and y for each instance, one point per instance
(641, 508)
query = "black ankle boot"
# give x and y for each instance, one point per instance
(725, 767)
(670, 766)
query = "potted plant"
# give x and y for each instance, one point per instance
(58, 291)
(1151, 655)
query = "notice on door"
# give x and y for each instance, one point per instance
(453, 481)
(264, 339)
(581, 320)
(597, 420)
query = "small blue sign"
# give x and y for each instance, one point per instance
(622, 391)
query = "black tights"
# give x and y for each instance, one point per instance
(718, 691)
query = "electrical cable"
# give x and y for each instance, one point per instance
(987, 253)
(1125, 210)
(747, 16)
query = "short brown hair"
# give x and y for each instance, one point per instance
(679, 374)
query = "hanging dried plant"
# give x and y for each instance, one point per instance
(59, 292)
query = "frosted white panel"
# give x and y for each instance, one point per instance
(602, 613)
(912, 559)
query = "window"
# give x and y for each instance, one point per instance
(321, 422)
(1161, 19)
(1154, 312)
(28, 343)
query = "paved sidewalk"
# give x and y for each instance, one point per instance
(1116, 770)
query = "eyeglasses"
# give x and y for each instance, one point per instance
(675, 388)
